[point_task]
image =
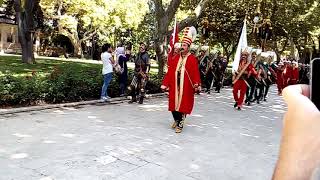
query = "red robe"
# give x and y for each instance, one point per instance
(287, 75)
(280, 81)
(294, 76)
(182, 99)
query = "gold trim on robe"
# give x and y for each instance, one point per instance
(179, 90)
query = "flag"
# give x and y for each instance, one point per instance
(174, 37)
(243, 43)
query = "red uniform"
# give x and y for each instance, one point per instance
(181, 78)
(287, 76)
(241, 84)
(294, 76)
(280, 80)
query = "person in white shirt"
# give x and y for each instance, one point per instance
(107, 69)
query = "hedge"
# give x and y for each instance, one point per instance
(63, 84)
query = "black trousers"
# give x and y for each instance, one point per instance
(250, 91)
(259, 87)
(203, 78)
(266, 90)
(209, 79)
(178, 117)
(138, 86)
(218, 81)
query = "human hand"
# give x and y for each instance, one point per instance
(164, 88)
(199, 89)
(299, 151)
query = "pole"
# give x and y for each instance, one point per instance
(114, 37)
(174, 30)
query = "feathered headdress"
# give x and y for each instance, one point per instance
(189, 35)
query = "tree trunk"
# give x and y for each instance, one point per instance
(25, 26)
(72, 35)
(163, 19)
(77, 49)
(27, 49)
(161, 56)
(76, 42)
(292, 47)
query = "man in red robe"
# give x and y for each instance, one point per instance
(182, 81)
(294, 74)
(287, 73)
(240, 80)
(280, 80)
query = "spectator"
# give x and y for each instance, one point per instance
(141, 75)
(107, 69)
(122, 60)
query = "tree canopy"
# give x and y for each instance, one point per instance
(295, 22)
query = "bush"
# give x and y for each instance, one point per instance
(65, 84)
(25, 91)
(69, 84)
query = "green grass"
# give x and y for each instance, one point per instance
(13, 65)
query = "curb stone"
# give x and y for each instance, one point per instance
(82, 103)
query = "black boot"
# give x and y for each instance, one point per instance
(141, 100)
(235, 105)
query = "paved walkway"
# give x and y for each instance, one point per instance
(122, 142)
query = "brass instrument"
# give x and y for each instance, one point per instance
(236, 76)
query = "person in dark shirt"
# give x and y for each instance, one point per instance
(141, 73)
(123, 76)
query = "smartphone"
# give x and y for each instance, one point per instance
(315, 82)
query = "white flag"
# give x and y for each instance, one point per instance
(243, 43)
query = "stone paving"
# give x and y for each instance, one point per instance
(135, 142)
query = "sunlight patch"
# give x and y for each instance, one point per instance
(70, 109)
(194, 166)
(149, 143)
(68, 135)
(248, 135)
(99, 121)
(82, 142)
(49, 142)
(193, 125)
(59, 112)
(197, 115)
(176, 146)
(108, 148)
(47, 178)
(105, 160)
(22, 135)
(19, 156)
(265, 117)
(279, 110)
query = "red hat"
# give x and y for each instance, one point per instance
(189, 35)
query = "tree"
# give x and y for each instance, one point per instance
(292, 22)
(225, 19)
(25, 12)
(79, 20)
(164, 15)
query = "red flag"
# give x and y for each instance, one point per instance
(174, 38)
